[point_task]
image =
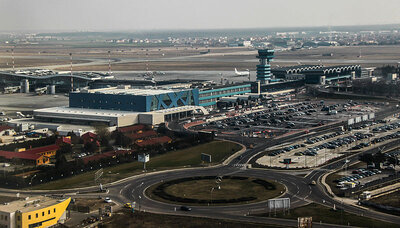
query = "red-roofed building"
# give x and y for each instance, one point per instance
(64, 139)
(38, 155)
(132, 129)
(37, 159)
(154, 141)
(142, 135)
(89, 137)
(44, 150)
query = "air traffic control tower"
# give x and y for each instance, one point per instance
(264, 68)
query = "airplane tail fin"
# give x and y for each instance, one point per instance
(236, 70)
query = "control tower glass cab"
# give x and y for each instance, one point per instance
(265, 56)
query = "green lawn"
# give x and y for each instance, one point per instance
(327, 215)
(230, 189)
(219, 150)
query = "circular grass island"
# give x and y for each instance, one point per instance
(212, 190)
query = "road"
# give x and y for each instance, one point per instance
(298, 190)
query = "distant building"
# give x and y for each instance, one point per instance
(6, 130)
(283, 72)
(246, 43)
(367, 72)
(37, 211)
(326, 75)
(294, 77)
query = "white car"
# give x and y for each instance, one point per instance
(107, 200)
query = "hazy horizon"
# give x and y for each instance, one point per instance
(156, 15)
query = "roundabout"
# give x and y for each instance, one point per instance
(215, 190)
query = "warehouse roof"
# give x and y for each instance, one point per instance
(20, 155)
(83, 111)
(130, 91)
(30, 204)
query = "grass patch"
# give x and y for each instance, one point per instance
(327, 215)
(330, 181)
(219, 150)
(392, 199)
(201, 190)
(125, 218)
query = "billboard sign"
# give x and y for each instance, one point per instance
(279, 203)
(143, 158)
(206, 157)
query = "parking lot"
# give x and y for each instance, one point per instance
(316, 151)
(278, 118)
(353, 177)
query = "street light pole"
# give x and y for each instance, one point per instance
(139, 201)
(30, 183)
(212, 189)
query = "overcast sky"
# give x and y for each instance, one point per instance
(131, 15)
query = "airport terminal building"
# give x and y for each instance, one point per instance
(120, 106)
(123, 98)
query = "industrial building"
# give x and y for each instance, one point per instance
(37, 211)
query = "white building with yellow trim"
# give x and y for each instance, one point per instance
(33, 212)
